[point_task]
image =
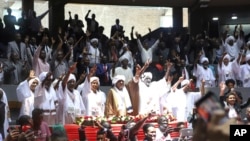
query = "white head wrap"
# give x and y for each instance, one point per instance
(43, 75)
(94, 78)
(117, 78)
(94, 40)
(227, 56)
(203, 59)
(33, 79)
(123, 57)
(248, 57)
(230, 38)
(147, 75)
(72, 77)
(185, 82)
(248, 43)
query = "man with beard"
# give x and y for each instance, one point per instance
(202, 71)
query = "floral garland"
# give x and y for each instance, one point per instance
(89, 120)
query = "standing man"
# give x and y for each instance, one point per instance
(118, 102)
(46, 98)
(18, 47)
(116, 28)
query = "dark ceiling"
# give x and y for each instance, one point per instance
(167, 3)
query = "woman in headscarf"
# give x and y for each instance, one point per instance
(25, 94)
(95, 100)
(118, 101)
(70, 101)
(245, 72)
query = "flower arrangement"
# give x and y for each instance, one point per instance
(89, 120)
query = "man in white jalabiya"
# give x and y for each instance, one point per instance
(204, 72)
(7, 112)
(147, 51)
(149, 92)
(232, 47)
(124, 69)
(46, 98)
(93, 50)
(126, 52)
(182, 101)
(70, 101)
(118, 101)
(95, 100)
(228, 70)
(245, 72)
(25, 94)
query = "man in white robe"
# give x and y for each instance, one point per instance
(203, 72)
(228, 70)
(183, 100)
(232, 47)
(94, 52)
(7, 112)
(245, 72)
(122, 70)
(125, 52)
(46, 98)
(95, 100)
(70, 101)
(25, 94)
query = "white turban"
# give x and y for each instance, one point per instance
(227, 57)
(43, 75)
(185, 82)
(94, 40)
(248, 43)
(147, 75)
(94, 78)
(123, 57)
(72, 77)
(248, 57)
(33, 79)
(230, 38)
(125, 45)
(203, 59)
(117, 78)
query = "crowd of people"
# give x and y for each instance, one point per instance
(59, 77)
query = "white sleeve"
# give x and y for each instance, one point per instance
(23, 91)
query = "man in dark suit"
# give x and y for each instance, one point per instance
(116, 28)
(92, 24)
(18, 47)
(103, 72)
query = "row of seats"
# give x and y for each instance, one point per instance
(91, 131)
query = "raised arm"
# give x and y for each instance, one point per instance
(174, 87)
(87, 15)
(66, 77)
(202, 89)
(169, 66)
(139, 125)
(139, 44)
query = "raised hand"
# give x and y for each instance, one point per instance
(31, 74)
(72, 68)
(168, 64)
(138, 70)
(137, 34)
(222, 86)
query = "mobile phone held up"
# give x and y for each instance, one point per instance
(207, 105)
